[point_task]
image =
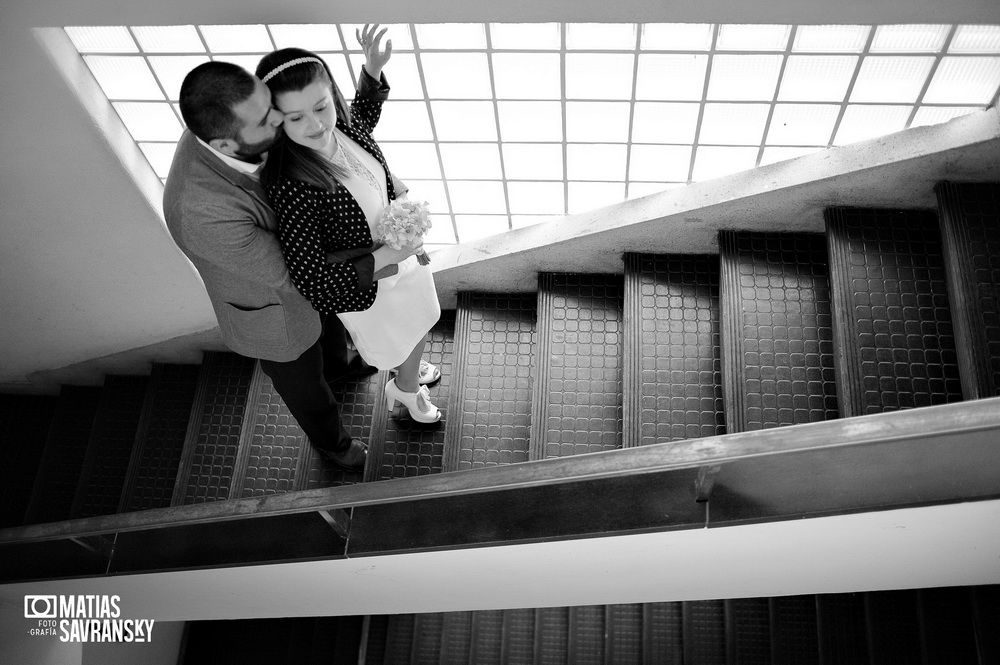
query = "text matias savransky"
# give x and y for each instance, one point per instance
(85, 618)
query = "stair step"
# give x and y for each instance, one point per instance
(427, 637)
(986, 614)
(946, 623)
(411, 448)
(456, 638)
(793, 624)
(494, 372)
(160, 438)
(363, 415)
(578, 385)
(624, 634)
(672, 377)
(212, 445)
(892, 323)
(518, 637)
(748, 631)
(894, 626)
(105, 468)
(399, 642)
(273, 446)
(487, 637)
(970, 234)
(663, 632)
(551, 636)
(704, 632)
(777, 353)
(842, 629)
(62, 460)
(376, 638)
(24, 426)
(587, 628)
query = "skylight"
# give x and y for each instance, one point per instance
(500, 126)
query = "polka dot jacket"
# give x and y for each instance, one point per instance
(313, 221)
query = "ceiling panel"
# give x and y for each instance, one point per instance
(505, 125)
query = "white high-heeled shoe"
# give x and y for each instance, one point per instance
(418, 404)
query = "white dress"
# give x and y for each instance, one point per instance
(406, 305)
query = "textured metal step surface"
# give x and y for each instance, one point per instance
(970, 233)
(494, 371)
(427, 636)
(748, 631)
(376, 639)
(586, 634)
(777, 358)
(272, 444)
(24, 427)
(552, 635)
(672, 375)
(62, 460)
(947, 626)
(363, 415)
(942, 625)
(892, 324)
(663, 632)
(704, 632)
(793, 621)
(456, 639)
(841, 623)
(213, 438)
(487, 637)
(578, 385)
(411, 448)
(624, 634)
(160, 438)
(399, 642)
(105, 468)
(519, 637)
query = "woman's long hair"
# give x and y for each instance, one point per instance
(287, 158)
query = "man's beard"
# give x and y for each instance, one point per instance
(253, 151)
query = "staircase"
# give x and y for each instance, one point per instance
(946, 625)
(888, 310)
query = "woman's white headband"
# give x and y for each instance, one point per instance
(291, 63)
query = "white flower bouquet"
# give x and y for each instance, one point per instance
(402, 224)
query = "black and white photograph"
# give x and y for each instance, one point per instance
(454, 332)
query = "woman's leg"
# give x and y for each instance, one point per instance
(409, 369)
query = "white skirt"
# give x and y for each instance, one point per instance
(405, 309)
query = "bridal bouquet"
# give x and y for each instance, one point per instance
(402, 223)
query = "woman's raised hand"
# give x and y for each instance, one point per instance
(370, 39)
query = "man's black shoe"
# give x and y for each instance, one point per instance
(357, 369)
(352, 459)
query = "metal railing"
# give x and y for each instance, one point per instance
(940, 454)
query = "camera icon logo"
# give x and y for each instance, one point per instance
(40, 607)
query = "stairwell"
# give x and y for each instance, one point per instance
(888, 310)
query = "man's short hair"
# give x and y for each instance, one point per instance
(209, 93)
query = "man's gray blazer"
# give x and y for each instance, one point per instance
(220, 219)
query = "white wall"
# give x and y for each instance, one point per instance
(17, 647)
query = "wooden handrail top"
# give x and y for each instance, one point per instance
(911, 425)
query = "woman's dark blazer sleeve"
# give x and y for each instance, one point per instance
(307, 237)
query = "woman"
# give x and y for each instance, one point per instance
(328, 183)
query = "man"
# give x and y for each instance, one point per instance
(218, 215)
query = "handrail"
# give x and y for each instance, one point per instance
(911, 425)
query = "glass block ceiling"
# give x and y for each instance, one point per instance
(499, 125)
